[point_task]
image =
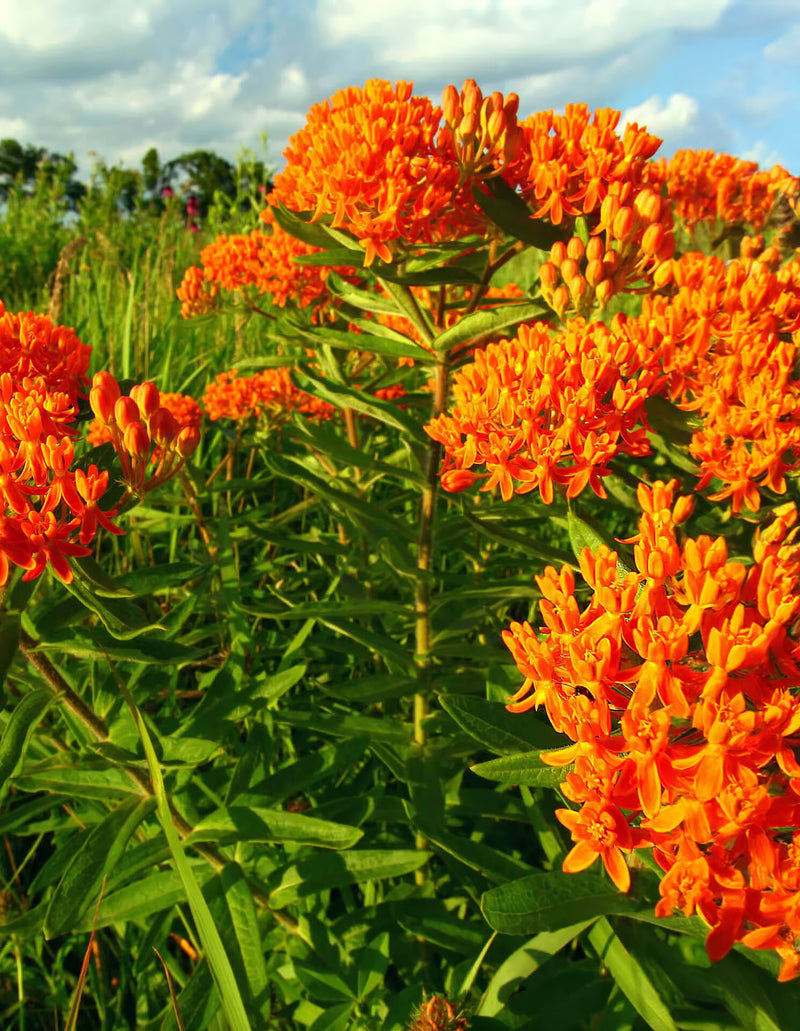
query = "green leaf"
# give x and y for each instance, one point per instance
(372, 963)
(87, 779)
(326, 871)
(348, 726)
(494, 865)
(144, 897)
(240, 823)
(632, 979)
(366, 300)
(585, 533)
(313, 233)
(121, 619)
(509, 211)
(396, 346)
(21, 724)
(550, 901)
(335, 1018)
(97, 644)
(443, 928)
(519, 966)
(299, 775)
(522, 768)
(99, 852)
(480, 325)
(10, 625)
(445, 275)
(498, 730)
(342, 396)
(323, 985)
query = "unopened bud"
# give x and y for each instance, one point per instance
(595, 249)
(623, 223)
(126, 412)
(456, 480)
(497, 124)
(569, 269)
(683, 508)
(578, 288)
(558, 253)
(103, 396)
(575, 248)
(511, 106)
(188, 440)
(163, 427)
(451, 105)
(648, 205)
(146, 397)
(136, 440)
(595, 273)
(468, 126)
(604, 292)
(652, 239)
(548, 275)
(560, 301)
(663, 274)
(471, 97)
(608, 211)
(667, 248)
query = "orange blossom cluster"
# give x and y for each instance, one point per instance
(50, 511)
(705, 186)
(677, 684)
(143, 431)
(728, 342)
(540, 410)
(270, 394)
(370, 159)
(264, 261)
(437, 1014)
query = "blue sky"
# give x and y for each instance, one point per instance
(115, 77)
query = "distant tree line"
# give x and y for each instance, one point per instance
(199, 174)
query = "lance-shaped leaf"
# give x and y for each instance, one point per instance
(522, 768)
(322, 872)
(21, 724)
(496, 729)
(508, 210)
(241, 823)
(480, 325)
(99, 852)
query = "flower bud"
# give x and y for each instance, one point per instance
(595, 273)
(560, 301)
(468, 126)
(471, 97)
(558, 253)
(604, 292)
(648, 206)
(663, 274)
(684, 507)
(575, 248)
(548, 275)
(623, 223)
(456, 480)
(608, 210)
(136, 440)
(146, 397)
(652, 239)
(569, 269)
(578, 288)
(595, 249)
(103, 396)
(451, 105)
(511, 107)
(188, 440)
(126, 412)
(163, 427)
(496, 125)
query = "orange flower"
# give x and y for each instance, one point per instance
(270, 394)
(542, 410)
(674, 684)
(369, 160)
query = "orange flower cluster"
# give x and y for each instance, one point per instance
(50, 511)
(727, 340)
(264, 261)
(482, 132)
(270, 394)
(540, 410)
(143, 432)
(676, 684)
(369, 159)
(198, 296)
(705, 186)
(186, 412)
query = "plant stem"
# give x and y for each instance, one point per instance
(422, 614)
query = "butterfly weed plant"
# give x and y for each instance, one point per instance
(420, 651)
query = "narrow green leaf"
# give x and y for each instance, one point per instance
(240, 823)
(313, 233)
(322, 872)
(550, 901)
(21, 724)
(509, 211)
(98, 854)
(121, 618)
(497, 729)
(522, 768)
(480, 325)
(632, 979)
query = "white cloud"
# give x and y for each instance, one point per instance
(763, 154)
(678, 116)
(119, 77)
(786, 48)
